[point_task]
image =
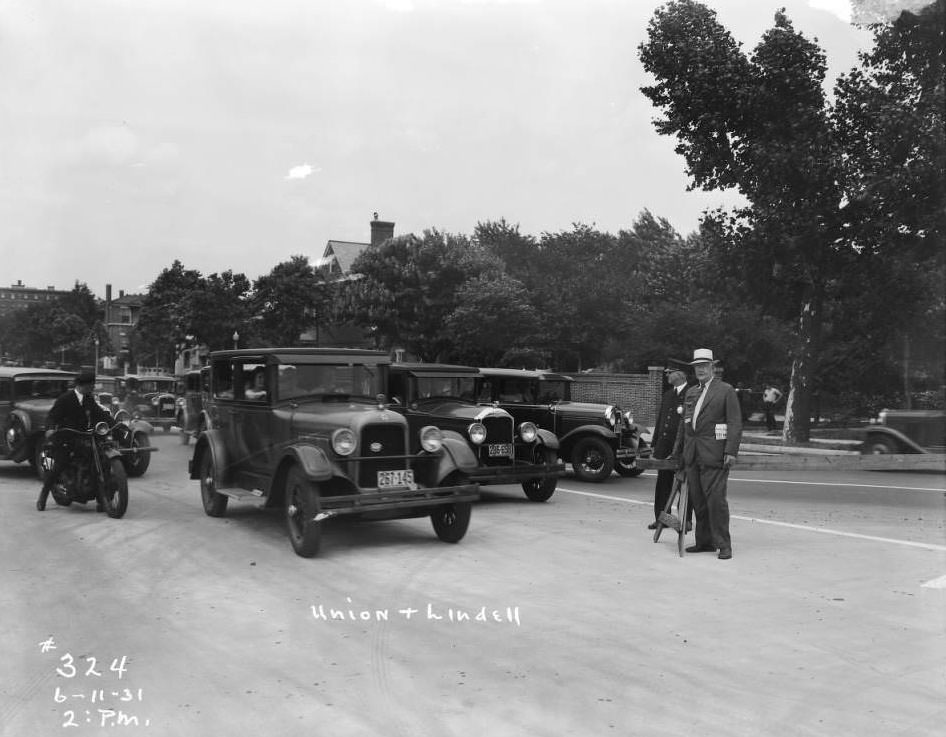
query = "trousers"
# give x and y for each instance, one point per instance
(707, 488)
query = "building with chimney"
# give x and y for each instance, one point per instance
(19, 295)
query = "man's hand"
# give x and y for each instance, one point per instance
(728, 460)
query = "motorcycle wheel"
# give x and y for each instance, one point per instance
(115, 493)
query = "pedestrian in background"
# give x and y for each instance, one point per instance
(770, 397)
(665, 435)
(707, 444)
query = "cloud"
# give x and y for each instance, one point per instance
(301, 172)
(840, 8)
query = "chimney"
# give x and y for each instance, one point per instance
(381, 230)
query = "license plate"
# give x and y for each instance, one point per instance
(500, 449)
(167, 405)
(395, 479)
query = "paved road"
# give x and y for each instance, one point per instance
(828, 620)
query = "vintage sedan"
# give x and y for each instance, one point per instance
(149, 397)
(906, 431)
(191, 418)
(308, 430)
(507, 452)
(595, 438)
(26, 396)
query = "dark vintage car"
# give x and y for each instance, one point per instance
(595, 438)
(26, 396)
(308, 430)
(906, 431)
(507, 452)
(148, 397)
(194, 388)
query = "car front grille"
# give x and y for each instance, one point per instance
(498, 430)
(377, 446)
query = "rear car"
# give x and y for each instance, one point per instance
(906, 431)
(307, 431)
(148, 397)
(26, 396)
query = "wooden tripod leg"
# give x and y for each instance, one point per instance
(682, 512)
(666, 510)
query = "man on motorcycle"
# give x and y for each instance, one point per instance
(78, 410)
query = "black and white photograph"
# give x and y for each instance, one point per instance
(449, 368)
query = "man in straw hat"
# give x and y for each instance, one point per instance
(707, 444)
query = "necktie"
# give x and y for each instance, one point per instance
(699, 404)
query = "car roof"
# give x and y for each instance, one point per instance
(304, 355)
(34, 373)
(435, 370)
(143, 377)
(525, 374)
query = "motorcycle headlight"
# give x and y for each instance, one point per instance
(528, 432)
(344, 442)
(431, 439)
(477, 433)
(101, 428)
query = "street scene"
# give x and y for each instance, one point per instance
(559, 618)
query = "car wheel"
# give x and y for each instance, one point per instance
(541, 489)
(627, 467)
(592, 459)
(137, 463)
(14, 435)
(215, 503)
(881, 445)
(451, 521)
(302, 508)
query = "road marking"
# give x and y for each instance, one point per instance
(809, 528)
(936, 583)
(837, 483)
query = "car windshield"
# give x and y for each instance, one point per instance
(151, 386)
(329, 380)
(47, 388)
(456, 387)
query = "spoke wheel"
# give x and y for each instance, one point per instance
(115, 494)
(541, 489)
(302, 507)
(592, 459)
(215, 503)
(137, 463)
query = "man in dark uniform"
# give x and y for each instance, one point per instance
(78, 410)
(665, 436)
(707, 444)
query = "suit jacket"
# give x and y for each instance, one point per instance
(668, 418)
(67, 412)
(718, 426)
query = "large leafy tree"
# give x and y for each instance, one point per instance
(286, 302)
(761, 124)
(218, 307)
(164, 321)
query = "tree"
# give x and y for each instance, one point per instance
(286, 302)
(760, 124)
(164, 321)
(217, 308)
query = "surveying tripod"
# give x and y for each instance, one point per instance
(678, 522)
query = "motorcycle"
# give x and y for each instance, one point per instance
(94, 471)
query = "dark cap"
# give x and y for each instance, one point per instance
(85, 376)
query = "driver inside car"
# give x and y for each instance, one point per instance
(76, 410)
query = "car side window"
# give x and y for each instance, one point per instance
(6, 393)
(222, 380)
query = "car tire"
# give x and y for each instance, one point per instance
(880, 446)
(451, 521)
(302, 507)
(215, 503)
(627, 467)
(541, 489)
(137, 463)
(592, 460)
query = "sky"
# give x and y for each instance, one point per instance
(234, 134)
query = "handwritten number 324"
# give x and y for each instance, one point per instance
(69, 670)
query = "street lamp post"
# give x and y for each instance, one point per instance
(236, 340)
(96, 341)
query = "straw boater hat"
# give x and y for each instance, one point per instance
(703, 355)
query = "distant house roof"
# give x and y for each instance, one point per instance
(340, 255)
(132, 300)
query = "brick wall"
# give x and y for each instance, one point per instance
(639, 393)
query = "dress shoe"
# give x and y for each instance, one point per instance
(725, 554)
(652, 526)
(701, 549)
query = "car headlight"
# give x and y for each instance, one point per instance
(431, 439)
(344, 441)
(610, 414)
(528, 432)
(154, 401)
(629, 418)
(477, 433)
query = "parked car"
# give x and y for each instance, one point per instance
(26, 396)
(194, 387)
(148, 397)
(595, 438)
(307, 430)
(906, 431)
(507, 452)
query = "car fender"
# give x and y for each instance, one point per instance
(456, 456)
(568, 440)
(547, 438)
(906, 445)
(24, 449)
(212, 442)
(313, 461)
(138, 425)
